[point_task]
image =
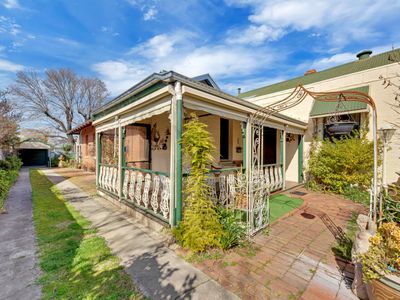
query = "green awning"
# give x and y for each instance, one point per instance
(321, 108)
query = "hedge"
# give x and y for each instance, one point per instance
(8, 175)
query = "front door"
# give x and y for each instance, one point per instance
(137, 146)
(224, 138)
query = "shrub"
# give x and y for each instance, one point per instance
(200, 228)
(383, 256)
(356, 194)
(11, 163)
(54, 161)
(234, 230)
(14, 162)
(337, 163)
(7, 178)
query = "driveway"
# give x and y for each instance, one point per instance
(18, 262)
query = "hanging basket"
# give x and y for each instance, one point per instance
(340, 127)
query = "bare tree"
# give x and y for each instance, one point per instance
(62, 97)
(91, 90)
(9, 120)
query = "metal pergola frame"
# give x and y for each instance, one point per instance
(297, 96)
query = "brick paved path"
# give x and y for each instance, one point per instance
(294, 261)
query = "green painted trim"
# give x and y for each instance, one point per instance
(98, 156)
(145, 171)
(178, 159)
(300, 158)
(244, 136)
(281, 155)
(122, 162)
(134, 98)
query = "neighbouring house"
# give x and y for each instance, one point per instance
(364, 74)
(34, 152)
(139, 162)
(84, 147)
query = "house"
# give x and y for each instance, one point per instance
(364, 74)
(138, 152)
(84, 147)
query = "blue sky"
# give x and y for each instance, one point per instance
(241, 43)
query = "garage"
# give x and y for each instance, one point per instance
(34, 152)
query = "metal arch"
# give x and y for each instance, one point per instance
(257, 121)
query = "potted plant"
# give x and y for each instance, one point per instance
(381, 263)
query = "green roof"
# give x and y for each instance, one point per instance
(351, 67)
(321, 108)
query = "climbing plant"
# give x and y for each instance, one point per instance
(200, 228)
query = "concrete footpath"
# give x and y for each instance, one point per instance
(18, 263)
(157, 271)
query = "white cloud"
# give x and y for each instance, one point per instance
(178, 52)
(9, 26)
(11, 4)
(68, 42)
(119, 75)
(150, 14)
(337, 59)
(254, 35)
(341, 21)
(158, 46)
(109, 30)
(8, 66)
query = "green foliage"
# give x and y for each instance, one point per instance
(54, 161)
(356, 194)
(234, 230)
(67, 148)
(383, 255)
(337, 163)
(75, 262)
(345, 245)
(8, 175)
(200, 228)
(7, 179)
(11, 163)
(391, 209)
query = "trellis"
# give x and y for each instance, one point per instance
(258, 203)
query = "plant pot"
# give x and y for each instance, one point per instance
(341, 127)
(386, 288)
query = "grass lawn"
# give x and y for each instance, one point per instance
(281, 204)
(75, 263)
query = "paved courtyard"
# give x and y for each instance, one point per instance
(294, 259)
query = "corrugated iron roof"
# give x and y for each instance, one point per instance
(328, 108)
(78, 128)
(351, 67)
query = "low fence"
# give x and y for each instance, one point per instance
(148, 190)
(229, 186)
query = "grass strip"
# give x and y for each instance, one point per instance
(281, 204)
(75, 262)
(343, 248)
